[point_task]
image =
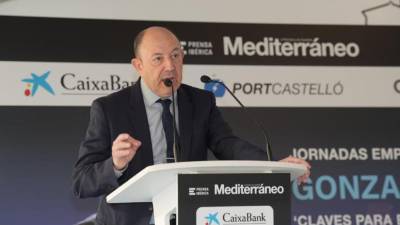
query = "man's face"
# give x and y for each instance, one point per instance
(160, 57)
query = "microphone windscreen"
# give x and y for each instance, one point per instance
(205, 79)
(167, 82)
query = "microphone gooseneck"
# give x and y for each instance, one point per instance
(176, 147)
(207, 79)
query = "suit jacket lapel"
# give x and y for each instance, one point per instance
(140, 125)
(185, 108)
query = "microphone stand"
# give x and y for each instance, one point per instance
(207, 79)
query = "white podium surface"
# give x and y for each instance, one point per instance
(158, 183)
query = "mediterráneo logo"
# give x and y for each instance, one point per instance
(235, 215)
(289, 47)
(247, 189)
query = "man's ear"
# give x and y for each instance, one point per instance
(137, 64)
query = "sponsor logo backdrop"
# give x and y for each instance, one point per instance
(326, 93)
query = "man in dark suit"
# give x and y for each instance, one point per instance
(127, 130)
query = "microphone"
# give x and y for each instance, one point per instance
(207, 79)
(168, 83)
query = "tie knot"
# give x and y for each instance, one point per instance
(165, 102)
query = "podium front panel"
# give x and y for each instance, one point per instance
(233, 199)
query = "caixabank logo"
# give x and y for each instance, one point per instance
(211, 219)
(73, 84)
(235, 215)
(78, 84)
(37, 82)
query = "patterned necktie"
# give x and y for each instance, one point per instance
(167, 122)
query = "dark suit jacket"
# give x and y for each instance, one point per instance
(201, 127)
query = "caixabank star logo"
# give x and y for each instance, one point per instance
(37, 82)
(212, 219)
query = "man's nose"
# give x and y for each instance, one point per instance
(169, 64)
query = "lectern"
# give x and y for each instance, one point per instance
(159, 183)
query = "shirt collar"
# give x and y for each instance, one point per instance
(149, 96)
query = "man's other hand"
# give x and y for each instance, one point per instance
(303, 178)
